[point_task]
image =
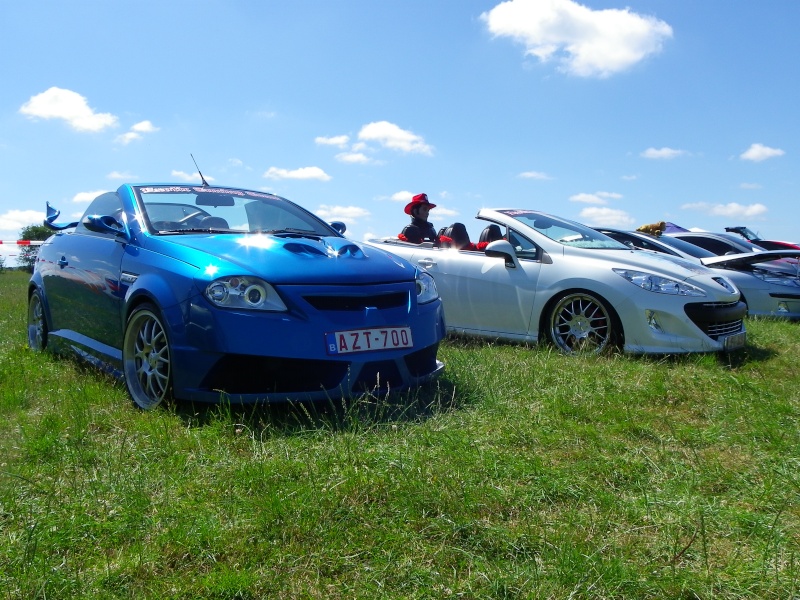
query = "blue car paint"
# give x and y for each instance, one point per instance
(90, 282)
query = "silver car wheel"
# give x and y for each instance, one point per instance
(146, 358)
(37, 324)
(580, 323)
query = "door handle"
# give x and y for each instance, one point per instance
(426, 262)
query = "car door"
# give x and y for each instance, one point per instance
(82, 286)
(480, 293)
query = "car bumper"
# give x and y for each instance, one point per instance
(704, 327)
(248, 357)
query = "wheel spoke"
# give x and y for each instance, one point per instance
(147, 359)
(580, 323)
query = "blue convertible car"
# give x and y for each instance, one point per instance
(200, 292)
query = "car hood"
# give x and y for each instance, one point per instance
(746, 259)
(287, 258)
(662, 264)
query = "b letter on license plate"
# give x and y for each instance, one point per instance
(366, 340)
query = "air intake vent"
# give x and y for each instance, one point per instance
(379, 301)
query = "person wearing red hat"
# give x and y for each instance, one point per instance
(420, 229)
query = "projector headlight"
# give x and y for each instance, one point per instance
(244, 292)
(660, 285)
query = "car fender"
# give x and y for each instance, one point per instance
(169, 298)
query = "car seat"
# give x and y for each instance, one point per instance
(491, 233)
(211, 222)
(456, 236)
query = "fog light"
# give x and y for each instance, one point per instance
(782, 308)
(652, 321)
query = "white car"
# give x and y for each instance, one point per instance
(583, 291)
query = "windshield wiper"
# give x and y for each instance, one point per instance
(293, 232)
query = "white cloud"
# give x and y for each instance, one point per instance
(58, 103)
(759, 152)
(127, 138)
(87, 196)
(301, 173)
(587, 199)
(120, 175)
(606, 217)
(15, 220)
(348, 214)
(393, 137)
(403, 196)
(731, 210)
(353, 158)
(144, 127)
(189, 177)
(585, 42)
(750, 186)
(662, 153)
(337, 140)
(441, 211)
(534, 175)
(596, 198)
(136, 132)
(629, 177)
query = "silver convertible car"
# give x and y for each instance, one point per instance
(546, 277)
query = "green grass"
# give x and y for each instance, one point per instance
(521, 474)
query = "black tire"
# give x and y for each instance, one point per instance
(37, 322)
(146, 358)
(582, 323)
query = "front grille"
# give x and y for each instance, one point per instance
(717, 330)
(358, 302)
(717, 319)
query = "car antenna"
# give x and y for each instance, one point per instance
(203, 179)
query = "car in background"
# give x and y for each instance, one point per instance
(548, 278)
(753, 238)
(723, 244)
(202, 293)
(766, 292)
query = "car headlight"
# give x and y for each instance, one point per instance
(426, 288)
(658, 284)
(777, 278)
(244, 292)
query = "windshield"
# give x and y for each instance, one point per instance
(190, 209)
(565, 232)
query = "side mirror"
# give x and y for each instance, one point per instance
(502, 249)
(105, 224)
(339, 226)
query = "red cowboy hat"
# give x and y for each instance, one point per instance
(418, 200)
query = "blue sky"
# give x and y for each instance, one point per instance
(605, 112)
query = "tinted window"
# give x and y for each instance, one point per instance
(105, 204)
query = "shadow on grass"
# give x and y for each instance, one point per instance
(344, 414)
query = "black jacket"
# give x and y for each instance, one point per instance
(419, 231)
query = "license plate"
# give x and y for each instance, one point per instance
(366, 340)
(737, 340)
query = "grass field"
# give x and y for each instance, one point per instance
(521, 474)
